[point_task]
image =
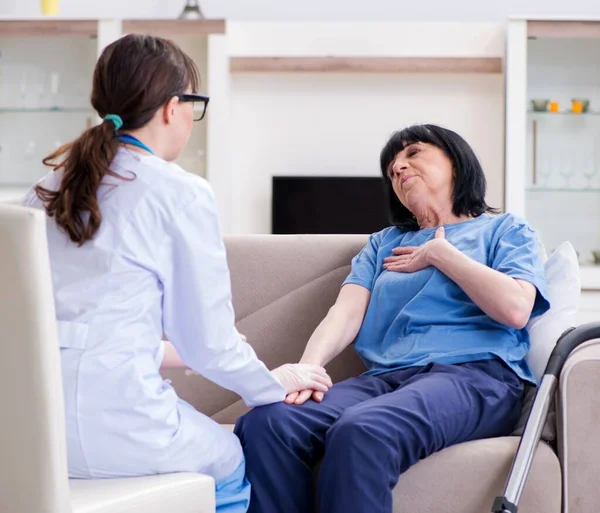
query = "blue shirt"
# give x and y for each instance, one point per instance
(414, 319)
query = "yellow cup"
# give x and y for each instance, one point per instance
(553, 107)
(577, 106)
(50, 7)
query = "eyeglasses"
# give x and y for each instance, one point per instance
(200, 103)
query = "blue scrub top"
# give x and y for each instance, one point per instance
(414, 319)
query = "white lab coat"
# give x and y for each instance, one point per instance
(157, 265)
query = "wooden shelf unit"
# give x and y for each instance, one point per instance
(174, 27)
(48, 28)
(563, 29)
(368, 64)
(51, 27)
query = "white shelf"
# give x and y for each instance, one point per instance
(548, 114)
(542, 145)
(563, 189)
(48, 79)
(553, 17)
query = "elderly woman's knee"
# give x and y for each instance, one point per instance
(263, 421)
(353, 427)
(358, 428)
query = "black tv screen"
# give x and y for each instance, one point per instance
(319, 205)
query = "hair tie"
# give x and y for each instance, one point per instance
(116, 119)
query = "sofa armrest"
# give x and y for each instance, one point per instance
(578, 428)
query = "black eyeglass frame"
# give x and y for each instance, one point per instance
(195, 98)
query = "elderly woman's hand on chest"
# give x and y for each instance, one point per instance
(410, 259)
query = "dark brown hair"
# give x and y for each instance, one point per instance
(134, 77)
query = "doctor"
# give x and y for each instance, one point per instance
(136, 252)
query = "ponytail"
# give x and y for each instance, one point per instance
(133, 78)
(84, 162)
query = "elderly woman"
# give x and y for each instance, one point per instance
(438, 305)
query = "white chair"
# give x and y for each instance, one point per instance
(33, 462)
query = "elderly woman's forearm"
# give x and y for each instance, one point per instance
(503, 298)
(340, 326)
(332, 336)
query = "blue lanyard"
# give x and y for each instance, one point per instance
(134, 141)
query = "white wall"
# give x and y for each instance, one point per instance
(326, 124)
(311, 10)
(337, 123)
(306, 124)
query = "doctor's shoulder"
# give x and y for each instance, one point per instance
(174, 188)
(190, 186)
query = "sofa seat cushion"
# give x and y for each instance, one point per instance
(467, 478)
(180, 493)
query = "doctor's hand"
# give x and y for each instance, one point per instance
(298, 377)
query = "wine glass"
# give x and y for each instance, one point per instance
(4, 157)
(54, 79)
(589, 171)
(545, 171)
(29, 152)
(565, 170)
(589, 168)
(40, 89)
(23, 88)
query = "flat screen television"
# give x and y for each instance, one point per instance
(321, 205)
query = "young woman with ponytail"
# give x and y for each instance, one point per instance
(136, 252)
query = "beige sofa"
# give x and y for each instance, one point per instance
(284, 285)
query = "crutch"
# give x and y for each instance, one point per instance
(569, 340)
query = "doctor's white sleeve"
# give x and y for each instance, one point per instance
(198, 316)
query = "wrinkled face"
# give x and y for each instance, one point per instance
(420, 173)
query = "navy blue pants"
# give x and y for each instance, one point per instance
(367, 431)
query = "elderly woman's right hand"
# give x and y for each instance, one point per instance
(302, 376)
(298, 398)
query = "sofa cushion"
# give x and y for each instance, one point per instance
(265, 268)
(562, 275)
(564, 289)
(467, 478)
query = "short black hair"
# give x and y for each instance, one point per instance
(469, 180)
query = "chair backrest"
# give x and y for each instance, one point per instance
(33, 460)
